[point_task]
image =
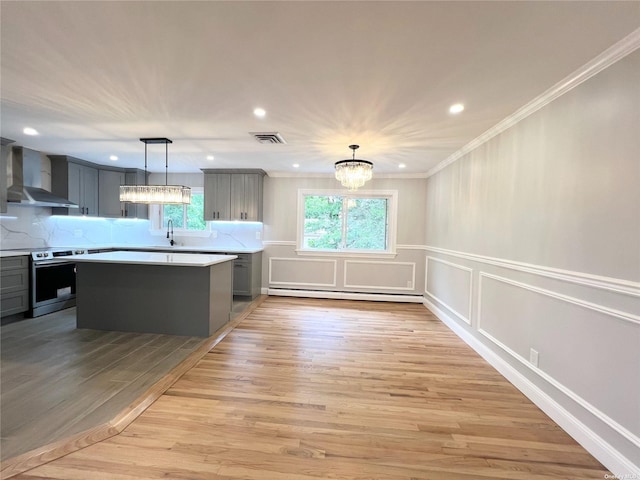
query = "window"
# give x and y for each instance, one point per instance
(186, 217)
(358, 222)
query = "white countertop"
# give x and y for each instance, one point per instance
(155, 258)
(14, 253)
(184, 248)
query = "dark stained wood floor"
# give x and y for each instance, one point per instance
(305, 389)
(57, 380)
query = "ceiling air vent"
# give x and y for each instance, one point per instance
(268, 137)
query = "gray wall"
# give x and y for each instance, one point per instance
(284, 268)
(533, 242)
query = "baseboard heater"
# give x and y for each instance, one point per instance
(371, 297)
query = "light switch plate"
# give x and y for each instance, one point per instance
(533, 357)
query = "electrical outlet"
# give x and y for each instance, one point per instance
(533, 357)
(409, 284)
(214, 234)
(258, 235)
(77, 233)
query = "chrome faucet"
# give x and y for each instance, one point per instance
(170, 231)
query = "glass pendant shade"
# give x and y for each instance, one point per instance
(353, 173)
(156, 194)
(159, 194)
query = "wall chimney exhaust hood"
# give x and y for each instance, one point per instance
(26, 187)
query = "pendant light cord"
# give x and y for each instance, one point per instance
(146, 183)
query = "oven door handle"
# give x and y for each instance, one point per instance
(51, 262)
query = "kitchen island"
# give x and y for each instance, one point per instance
(151, 292)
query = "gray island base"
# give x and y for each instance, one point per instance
(174, 294)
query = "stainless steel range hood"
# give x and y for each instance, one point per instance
(26, 182)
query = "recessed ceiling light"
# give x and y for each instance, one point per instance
(456, 108)
(113, 157)
(296, 165)
(29, 131)
(402, 165)
(259, 112)
(209, 157)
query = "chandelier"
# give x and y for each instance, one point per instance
(353, 173)
(161, 194)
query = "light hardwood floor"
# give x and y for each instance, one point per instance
(307, 389)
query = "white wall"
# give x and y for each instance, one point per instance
(284, 268)
(533, 242)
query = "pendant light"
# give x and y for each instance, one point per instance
(159, 194)
(353, 173)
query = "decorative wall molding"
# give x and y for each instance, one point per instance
(334, 264)
(589, 439)
(629, 317)
(616, 285)
(630, 436)
(465, 319)
(371, 262)
(290, 243)
(607, 58)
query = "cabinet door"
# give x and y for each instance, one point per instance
(4, 160)
(241, 279)
(75, 192)
(109, 193)
(135, 210)
(237, 196)
(217, 196)
(89, 189)
(253, 197)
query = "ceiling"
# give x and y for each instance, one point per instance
(95, 77)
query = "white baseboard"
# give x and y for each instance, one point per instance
(618, 464)
(373, 297)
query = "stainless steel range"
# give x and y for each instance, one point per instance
(53, 280)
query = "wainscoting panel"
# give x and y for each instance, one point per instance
(306, 272)
(451, 285)
(572, 337)
(368, 274)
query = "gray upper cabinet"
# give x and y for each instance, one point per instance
(135, 210)
(76, 180)
(217, 196)
(96, 190)
(5, 151)
(109, 193)
(233, 194)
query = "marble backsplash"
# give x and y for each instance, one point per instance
(35, 227)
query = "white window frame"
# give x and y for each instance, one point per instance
(392, 221)
(158, 229)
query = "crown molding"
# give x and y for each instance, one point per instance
(607, 58)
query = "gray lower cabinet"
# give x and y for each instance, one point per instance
(109, 193)
(233, 194)
(76, 180)
(247, 274)
(14, 286)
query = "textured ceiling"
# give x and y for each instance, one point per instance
(94, 77)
